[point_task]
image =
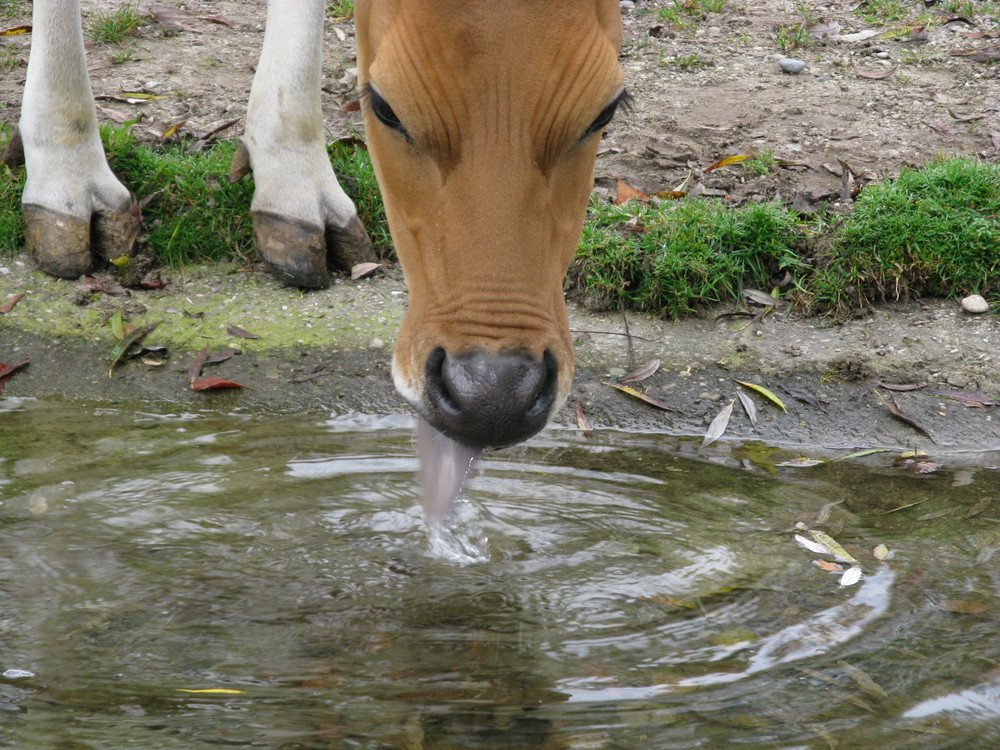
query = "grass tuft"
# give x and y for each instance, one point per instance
(932, 231)
(681, 257)
(114, 27)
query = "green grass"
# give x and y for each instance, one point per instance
(682, 256)
(933, 231)
(341, 11)
(113, 27)
(11, 186)
(195, 213)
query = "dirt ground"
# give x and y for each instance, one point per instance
(702, 93)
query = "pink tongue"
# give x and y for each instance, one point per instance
(444, 465)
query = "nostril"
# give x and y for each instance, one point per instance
(547, 393)
(490, 399)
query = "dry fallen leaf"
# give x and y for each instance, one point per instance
(627, 193)
(719, 424)
(360, 270)
(582, 423)
(208, 384)
(641, 396)
(641, 373)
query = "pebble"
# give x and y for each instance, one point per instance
(974, 303)
(791, 65)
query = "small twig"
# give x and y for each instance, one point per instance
(628, 336)
(613, 333)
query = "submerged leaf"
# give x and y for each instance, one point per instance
(765, 392)
(961, 607)
(803, 462)
(881, 552)
(719, 424)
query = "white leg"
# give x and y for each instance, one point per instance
(302, 218)
(69, 184)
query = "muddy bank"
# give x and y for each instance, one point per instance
(330, 351)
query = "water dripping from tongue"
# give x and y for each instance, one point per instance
(444, 467)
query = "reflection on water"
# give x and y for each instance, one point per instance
(635, 595)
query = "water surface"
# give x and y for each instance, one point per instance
(635, 592)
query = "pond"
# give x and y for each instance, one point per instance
(231, 580)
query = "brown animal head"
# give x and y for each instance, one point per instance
(483, 120)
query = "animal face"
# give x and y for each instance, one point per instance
(483, 121)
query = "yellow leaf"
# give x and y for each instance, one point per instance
(121, 261)
(727, 161)
(217, 691)
(765, 392)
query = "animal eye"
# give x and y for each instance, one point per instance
(384, 113)
(608, 113)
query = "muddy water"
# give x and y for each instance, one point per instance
(635, 591)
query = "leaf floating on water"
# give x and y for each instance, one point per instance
(916, 463)
(719, 424)
(894, 409)
(241, 333)
(582, 423)
(859, 454)
(961, 607)
(830, 567)
(803, 462)
(641, 373)
(851, 576)
(881, 552)
(130, 340)
(833, 547)
(209, 384)
(810, 545)
(641, 396)
(211, 691)
(748, 406)
(765, 392)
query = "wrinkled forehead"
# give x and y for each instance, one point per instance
(440, 63)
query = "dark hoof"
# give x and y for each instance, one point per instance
(349, 245)
(60, 244)
(295, 252)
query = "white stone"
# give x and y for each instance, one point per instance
(974, 303)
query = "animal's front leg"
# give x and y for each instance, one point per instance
(73, 204)
(303, 220)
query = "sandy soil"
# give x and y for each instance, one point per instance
(702, 93)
